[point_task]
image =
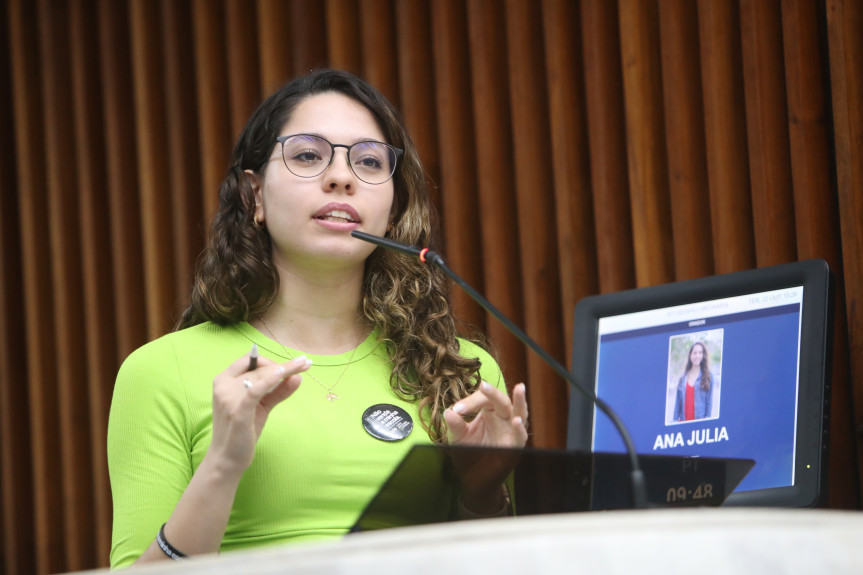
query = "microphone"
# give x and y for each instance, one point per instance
(637, 484)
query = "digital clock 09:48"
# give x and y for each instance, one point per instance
(702, 491)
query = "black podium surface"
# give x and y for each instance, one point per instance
(424, 487)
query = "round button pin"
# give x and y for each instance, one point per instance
(387, 422)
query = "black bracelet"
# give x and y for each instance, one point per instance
(167, 548)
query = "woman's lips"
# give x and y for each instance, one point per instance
(337, 216)
(338, 213)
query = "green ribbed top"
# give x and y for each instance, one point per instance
(315, 466)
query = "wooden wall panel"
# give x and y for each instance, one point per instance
(122, 176)
(844, 22)
(571, 158)
(343, 34)
(38, 294)
(150, 106)
(417, 82)
(100, 356)
(809, 131)
(685, 139)
(183, 148)
(416, 86)
(213, 105)
(535, 206)
(725, 128)
(377, 23)
(16, 474)
(307, 35)
(573, 148)
(607, 136)
(767, 131)
(645, 122)
(243, 62)
(815, 206)
(60, 213)
(16, 478)
(274, 46)
(501, 264)
(456, 143)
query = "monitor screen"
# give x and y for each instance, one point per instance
(731, 366)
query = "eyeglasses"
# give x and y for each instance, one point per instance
(308, 156)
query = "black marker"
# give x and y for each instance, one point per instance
(253, 358)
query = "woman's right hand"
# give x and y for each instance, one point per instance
(240, 410)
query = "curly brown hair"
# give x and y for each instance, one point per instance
(406, 300)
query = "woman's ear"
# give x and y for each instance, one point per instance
(258, 195)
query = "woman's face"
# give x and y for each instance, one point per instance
(696, 355)
(310, 219)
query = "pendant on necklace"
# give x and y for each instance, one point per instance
(331, 396)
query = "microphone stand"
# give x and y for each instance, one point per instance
(639, 490)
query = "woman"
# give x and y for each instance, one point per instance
(213, 455)
(695, 387)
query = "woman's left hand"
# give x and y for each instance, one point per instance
(497, 422)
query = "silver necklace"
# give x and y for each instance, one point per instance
(331, 396)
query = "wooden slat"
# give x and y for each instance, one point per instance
(685, 140)
(767, 131)
(607, 136)
(535, 206)
(307, 36)
(64, 232)
(98, 297)
(808, 115)
(148, 73)
(274, 48)
(183, 152)
(416, 84)
(501, 264)
(456, 138)
(243, 62)
(122, 172)
(645, 123)
(844, 22)
(211, 79)
(16, 473)
(16, 478)
(65, 236)
(576, 236)
(378, 37)
(343, 35)
(724, 114)
(38, 297)
(815, 206)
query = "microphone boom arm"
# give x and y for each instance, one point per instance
(639, 496)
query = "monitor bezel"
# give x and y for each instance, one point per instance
(814, 369)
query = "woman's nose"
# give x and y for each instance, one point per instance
(339, 173)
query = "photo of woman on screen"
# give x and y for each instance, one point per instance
(695, 387)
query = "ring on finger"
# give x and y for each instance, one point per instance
(247, 383)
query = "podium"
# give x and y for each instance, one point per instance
(424, 487)
(709, 540)
(552, 541)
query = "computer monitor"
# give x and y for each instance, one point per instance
(729, 366)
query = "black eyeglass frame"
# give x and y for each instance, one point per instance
(398, 153)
